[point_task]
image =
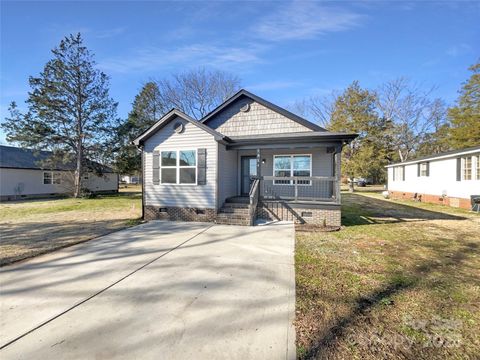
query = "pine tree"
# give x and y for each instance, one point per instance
(366, 156)
(147, 108)
(69, 109)
(465, 116)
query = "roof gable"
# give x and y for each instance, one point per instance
(167, 118)
(303, 124)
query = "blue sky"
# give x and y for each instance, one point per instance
(282, 51)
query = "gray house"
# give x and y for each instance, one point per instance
(245, 160)
(24, 173)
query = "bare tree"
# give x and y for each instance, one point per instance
(197, 92)
(411, 111)
(318, 109)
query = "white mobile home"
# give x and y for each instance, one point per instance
(451, 178)
(22, 175)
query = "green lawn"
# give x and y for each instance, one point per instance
(401, 280)
(33, 227)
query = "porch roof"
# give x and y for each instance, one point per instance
(307, 137)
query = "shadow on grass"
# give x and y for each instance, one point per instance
(358, 324)
(362, 210)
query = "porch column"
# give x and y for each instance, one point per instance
(338, 170)
(259, 163)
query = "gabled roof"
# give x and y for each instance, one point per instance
(17, 158)
(439, 156)
(172, 114)
(265, 103)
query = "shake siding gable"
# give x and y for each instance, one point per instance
(181, 195)
(259, 119)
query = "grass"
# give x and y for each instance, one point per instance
(401, 280)
(34, 227)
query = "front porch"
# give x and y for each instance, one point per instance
(295, 182)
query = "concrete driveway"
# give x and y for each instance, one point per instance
(162, 290)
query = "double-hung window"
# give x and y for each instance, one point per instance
(50, 177)
(178, 167)
(424, 169)
(467, 168)
(477, 168)
(292, 165)
(398, 176)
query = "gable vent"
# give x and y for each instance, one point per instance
(245, 108)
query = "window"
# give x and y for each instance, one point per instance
(467, 168)
(178, 167)
(292, 165)
(47, 178)
(477, 167)
(424, 169)
(50, 177)
(398, 173)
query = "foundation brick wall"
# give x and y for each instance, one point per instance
(179, 214)
(435, 199)
(278, 211)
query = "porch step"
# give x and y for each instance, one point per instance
(234, 213)
(233, 205)
(238, 200)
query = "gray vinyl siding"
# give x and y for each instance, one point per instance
(227, 173)
(322, 165)
(171, 195)
(258, 120)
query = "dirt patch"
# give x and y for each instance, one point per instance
(32, 228)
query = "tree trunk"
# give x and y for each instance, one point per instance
(78, 172)
(351, 187)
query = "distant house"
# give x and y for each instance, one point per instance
(130, 179)
(23, 174)
(450, 178)
(248, 159)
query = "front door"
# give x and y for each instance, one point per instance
(248, 170)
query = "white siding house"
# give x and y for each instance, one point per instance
(451, 178)
(22, 176)
(245, 158)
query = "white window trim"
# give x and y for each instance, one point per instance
(472, 168)
(178, 167)
(291, 169)
(52, 177)
(477, 167)
(397, 178)
(426, 168)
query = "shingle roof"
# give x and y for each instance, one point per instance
(18, 158)
(170, 116)
(446, 154)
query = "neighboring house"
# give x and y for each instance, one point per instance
(23, 174)
(450, 178)
(246, 159)
(130, 179)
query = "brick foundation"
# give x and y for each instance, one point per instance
(179, 214)
(321, 215)
(434, 199)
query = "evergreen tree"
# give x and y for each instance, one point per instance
(366, 156)
(465, 116)
(69, 109)
(147, 108)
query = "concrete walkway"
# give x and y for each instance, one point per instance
(160, 290)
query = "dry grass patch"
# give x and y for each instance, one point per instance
(399, 281)
(30, 228)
